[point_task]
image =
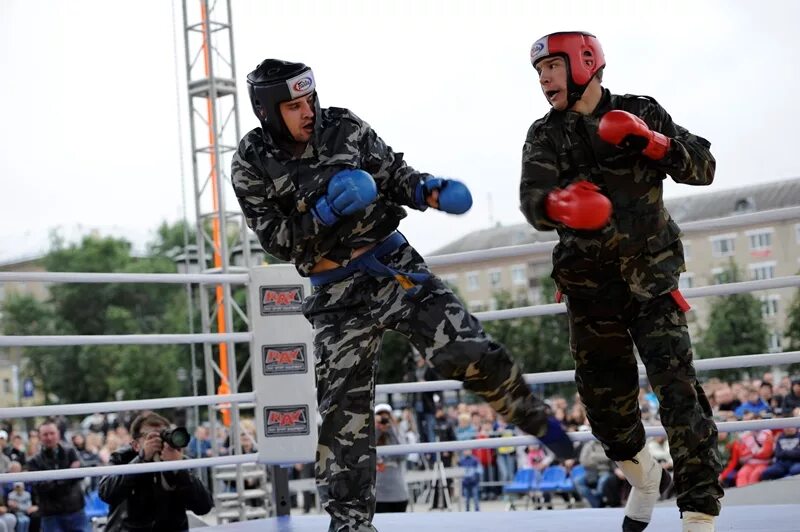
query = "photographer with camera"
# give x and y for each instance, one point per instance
(391, 491)
(153, 501)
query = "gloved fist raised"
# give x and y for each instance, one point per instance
(579, 206)
(626, 129)
(349, 191)
(454, 196)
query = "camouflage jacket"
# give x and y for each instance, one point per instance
(641, 245)
(277, 191)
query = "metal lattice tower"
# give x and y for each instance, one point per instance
(214, 129)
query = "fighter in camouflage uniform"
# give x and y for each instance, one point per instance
(321, 189)
(592, 169)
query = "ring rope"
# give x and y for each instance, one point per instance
(123, 339)
(161, 278)
(383, 450)
(120, 406)
(764, 359)
(727, 289)
(699, 226)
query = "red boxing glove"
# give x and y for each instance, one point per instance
(616, 126)
(579, 206)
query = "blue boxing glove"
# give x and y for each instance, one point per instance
(454, 196)
(349, 192)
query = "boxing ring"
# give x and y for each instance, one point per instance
(280, 343)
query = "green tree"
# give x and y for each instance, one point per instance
(23, 315)
(395, 358)
(538, 344)
(518, 335)
(553, 338)
(100, 372)
(170, 238)
(735, 327)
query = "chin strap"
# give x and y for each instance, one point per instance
(574, 93)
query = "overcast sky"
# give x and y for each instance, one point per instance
(92, 113)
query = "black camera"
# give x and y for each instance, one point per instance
(177, 438)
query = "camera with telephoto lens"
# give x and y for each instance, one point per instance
(177, 438)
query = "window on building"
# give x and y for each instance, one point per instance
(720, 275)
(535, 296)
(6, 386)
(519, 274)
(723, 245)
(476, 306)
(769, 305)
(450, 279)
(744, 205)
(775, 342)
(760, 240)
(762, 270)
(473, 281)
(495, 278)
(686, 280)
(687, 251)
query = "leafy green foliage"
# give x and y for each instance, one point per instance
(100, 373)
(735, 327)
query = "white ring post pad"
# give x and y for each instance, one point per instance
(282, 362)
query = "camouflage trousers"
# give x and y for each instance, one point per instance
(603, 333)
(349, 318)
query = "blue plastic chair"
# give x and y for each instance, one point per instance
(95, 506)
(569, 485)
(575, 473)
(552, 479)
(524, 483)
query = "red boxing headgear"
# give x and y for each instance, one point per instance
(582, 49)
(583, 54)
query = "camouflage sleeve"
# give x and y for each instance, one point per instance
(395, 179)
(281, 235)
(539, 177)
(689, 158)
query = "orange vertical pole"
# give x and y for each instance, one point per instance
(223, 387)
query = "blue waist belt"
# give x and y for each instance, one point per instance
(368, 263)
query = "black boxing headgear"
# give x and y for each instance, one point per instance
(273, 82)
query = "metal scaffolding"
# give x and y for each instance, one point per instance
(214, 133)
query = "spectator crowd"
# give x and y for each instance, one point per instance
(748, 457)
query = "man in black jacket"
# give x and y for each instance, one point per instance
(152, 501)
(593, 170)
(61, 502)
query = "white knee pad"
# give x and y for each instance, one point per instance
(697, 522)
(644, 473)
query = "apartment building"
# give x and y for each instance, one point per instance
(11, 382)
(759, 250)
